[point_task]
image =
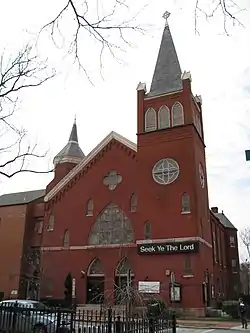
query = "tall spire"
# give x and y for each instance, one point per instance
(167, 74)
(72, 152)
(73, 135)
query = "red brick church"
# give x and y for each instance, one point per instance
(139, 208)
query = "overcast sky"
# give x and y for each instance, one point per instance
(220, 70)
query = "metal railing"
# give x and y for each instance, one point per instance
(19, 319)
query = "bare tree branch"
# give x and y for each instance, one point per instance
(100, 25)
(245, 238)
(16, 74)
(227, 9)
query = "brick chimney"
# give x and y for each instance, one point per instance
(214, 210)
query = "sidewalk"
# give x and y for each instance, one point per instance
(203, 324)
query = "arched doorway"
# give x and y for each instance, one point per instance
(95, 282)
(123, 281)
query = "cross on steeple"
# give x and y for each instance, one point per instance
(166, 16)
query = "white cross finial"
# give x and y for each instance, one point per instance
(166, 16)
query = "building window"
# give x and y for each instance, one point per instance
(96, 268)
(111, 227)
(51, 224)
(232, 241)
(147, 230)
(112, 180)
(133, 202)
(66, 239)
(177, 114)
(214, 247)
(150, 120)
(185, 203)
(187, 265)
(90, 207)
(163, 117)
(39, 227)
(165, 171)
(234, 265)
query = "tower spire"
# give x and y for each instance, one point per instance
(72, 152)
(73, 135)
(167, 73)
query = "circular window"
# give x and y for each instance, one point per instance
(165, 171)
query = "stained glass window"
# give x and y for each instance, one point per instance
(111, 227)
(163, 117)
(177, 114)
(90, 207)
(66, 239)
(123, 267)
(96, 268)
(150, 120)
(112, 180)
(185, 202)
(133, 202)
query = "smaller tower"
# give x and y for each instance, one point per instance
(67, 158)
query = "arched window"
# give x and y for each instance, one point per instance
(177, 114)
(90, 207)
(133, 202)
(123, 267)
(147, 230)
(187, 265)
(111, 227)
(66, 239)
(96, 268)
(150, 120)
(51, 224)
(163, 117)
(185, 203)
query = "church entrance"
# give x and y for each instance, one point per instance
(123, 282)
(95, 283)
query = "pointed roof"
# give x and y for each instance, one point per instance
(87, 159)
(167, 74)
(72, 152)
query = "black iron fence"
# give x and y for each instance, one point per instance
(19, 319)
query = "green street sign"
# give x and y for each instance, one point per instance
(247, 152)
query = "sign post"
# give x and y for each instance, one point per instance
(172, 277)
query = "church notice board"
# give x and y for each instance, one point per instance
(168, 248)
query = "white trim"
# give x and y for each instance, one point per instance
(67, 159)
(143, 241)
(162, 95)
(87, 159)
(86, 247)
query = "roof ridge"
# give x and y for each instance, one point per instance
(87, 159)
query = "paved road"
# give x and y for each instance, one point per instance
(209, 330)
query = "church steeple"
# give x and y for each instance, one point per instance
(72, 152)
(167, 73)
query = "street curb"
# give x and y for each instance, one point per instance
(208, 327)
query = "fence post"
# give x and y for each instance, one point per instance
(109, 320)
(118, 325)
(14, 318)
(151, 324)
(174, 322)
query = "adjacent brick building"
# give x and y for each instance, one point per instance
(138, 208)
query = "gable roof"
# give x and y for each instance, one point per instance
(20, 198)
(224, 220)
(87, 159)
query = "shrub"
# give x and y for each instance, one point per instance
(231, 308)
(156, 307)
